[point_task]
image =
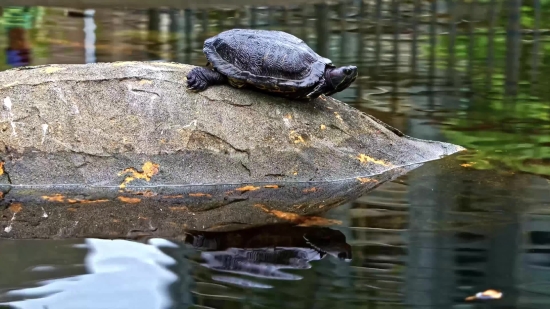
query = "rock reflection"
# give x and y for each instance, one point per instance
(263, 252)
(170, 211)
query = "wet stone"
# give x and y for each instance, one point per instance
(94, 136)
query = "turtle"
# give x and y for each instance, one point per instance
(272, 61)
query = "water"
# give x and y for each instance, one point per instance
(447, 230)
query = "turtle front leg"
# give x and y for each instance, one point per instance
(201, 78)
(317, 91)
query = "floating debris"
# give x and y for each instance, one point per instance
(489, 294)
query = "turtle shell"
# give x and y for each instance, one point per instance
(272, 60)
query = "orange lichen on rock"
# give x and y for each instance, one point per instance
(247, 188)
(2, 167)
(77, 201)
(130, 200)
(200, 195)
(71, 209)
(298, 219)
(271, 186)
(62, 199)
(1, 195)
(365, 159)
(364, 180)
(178, 208)
(149, 169)
(15, 207)
(310, 190)
(53, 69)
(173, 196)
(296, 137)
(54, 198)
(146, 193)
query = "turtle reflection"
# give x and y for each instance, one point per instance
(263, 252)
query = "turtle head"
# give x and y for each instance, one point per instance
(338, 79)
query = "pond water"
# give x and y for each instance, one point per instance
(472, 222)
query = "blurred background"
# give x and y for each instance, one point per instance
(469, 72)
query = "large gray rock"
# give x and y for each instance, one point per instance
(111, 130)
(85, 124)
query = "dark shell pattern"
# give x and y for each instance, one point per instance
(272, 60)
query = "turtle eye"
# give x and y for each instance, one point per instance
(347, 71)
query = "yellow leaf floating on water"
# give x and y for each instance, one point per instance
(489, 294)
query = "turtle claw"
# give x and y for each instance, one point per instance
(196, 85)
(201, 78)
(196, 80)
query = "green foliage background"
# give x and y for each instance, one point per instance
(511, 132)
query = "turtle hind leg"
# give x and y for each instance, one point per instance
(236, 83)
(201, 78)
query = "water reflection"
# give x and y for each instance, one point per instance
(432, 238)
(18, 47)
(114, 274)
(264, 252)
(123, 274)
